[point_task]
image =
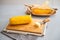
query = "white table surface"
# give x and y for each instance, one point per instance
(9, 8)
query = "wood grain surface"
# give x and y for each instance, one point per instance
(27, 27)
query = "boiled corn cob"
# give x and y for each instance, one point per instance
(20, 19)
(41, 11)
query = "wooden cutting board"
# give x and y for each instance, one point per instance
(49, 14)
(27, 27)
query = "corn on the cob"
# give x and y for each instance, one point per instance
(41, 11)
(20, 19)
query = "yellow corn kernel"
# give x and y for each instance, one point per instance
(20, 19)
(41, 11)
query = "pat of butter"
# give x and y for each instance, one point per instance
(37, 24)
